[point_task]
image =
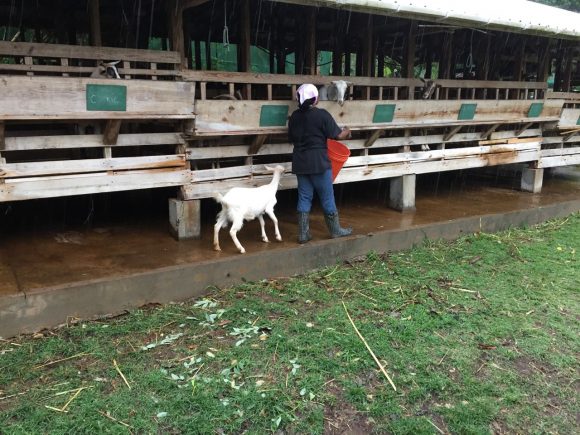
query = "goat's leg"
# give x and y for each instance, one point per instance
(220, 223)
(237, 226)
(273, 217)
(262, 226)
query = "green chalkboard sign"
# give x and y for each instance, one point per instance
(467, 112)
(535, 110)
(578, 122)
(107, 98)
(273, 115)
(384, 113)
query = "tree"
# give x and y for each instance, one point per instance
(571, 5)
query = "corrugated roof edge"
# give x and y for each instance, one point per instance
(517, 16)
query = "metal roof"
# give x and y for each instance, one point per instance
(519, 16)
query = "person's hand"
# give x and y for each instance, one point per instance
(345, 133)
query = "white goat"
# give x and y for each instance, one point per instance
(335, 91)
(107, 70)
(247, 203)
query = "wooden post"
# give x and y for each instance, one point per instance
(482, 72)
(244, 57)
(111, 133)
(544, 60)
(446, 56)
(367, 49)
(567, 75)
(310, 54)
(409, 54)
(347, 62)
(198, 64)
(95, 23)
(381, 58)
(559, 68)
(175, 25)
(520, 59)
(338, 50)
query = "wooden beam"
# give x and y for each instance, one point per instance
(367, 49)
(544, 60)
(489, 131)
(112, 130)
(244, 56)
(310, 54)
(446, 56)
(410, 46)
(95, 23)
(519, 61)
(175, 25)
(451, 133)
(523, 128)
(257, 143)
(371, 140)
(570, 135)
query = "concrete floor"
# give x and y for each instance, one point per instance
(46, 266)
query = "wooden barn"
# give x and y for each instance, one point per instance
(119, 95)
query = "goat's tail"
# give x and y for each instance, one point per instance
(218, 197)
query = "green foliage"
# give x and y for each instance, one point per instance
(571, 5)
(479, 336)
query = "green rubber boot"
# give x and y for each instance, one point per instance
(304, 227)
(334, 228)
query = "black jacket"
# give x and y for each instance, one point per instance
(308, 131)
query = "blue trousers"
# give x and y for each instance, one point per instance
(322, 184)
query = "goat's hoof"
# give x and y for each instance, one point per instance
(279, 238)
(242, 251)
(266, 240)
(217, 248)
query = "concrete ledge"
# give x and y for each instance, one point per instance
(52, 306)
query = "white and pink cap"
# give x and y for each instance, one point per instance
(306, 92)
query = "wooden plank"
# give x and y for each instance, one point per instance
(112, 130)
(410, 158)
(229, 151)
(86, 70)
(242, 117)
(34, 169)
(551, 162)
(523, 128)
(90, 141)
(290, 79)
(87, 52)
(371, 140)
(569, 119)
(489, 131)
(560, 152)
(451, 133)
(19, 189)
(65, 98)
(351, 174)
(257, 143)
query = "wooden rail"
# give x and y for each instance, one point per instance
(261, 86)
(66, 60)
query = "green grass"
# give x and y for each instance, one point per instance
(479, 335)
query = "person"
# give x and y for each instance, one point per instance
(308, 129)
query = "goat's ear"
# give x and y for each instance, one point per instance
(348, 83)
(422, 79)
(270, 168)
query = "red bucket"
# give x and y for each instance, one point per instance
(338, 153)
